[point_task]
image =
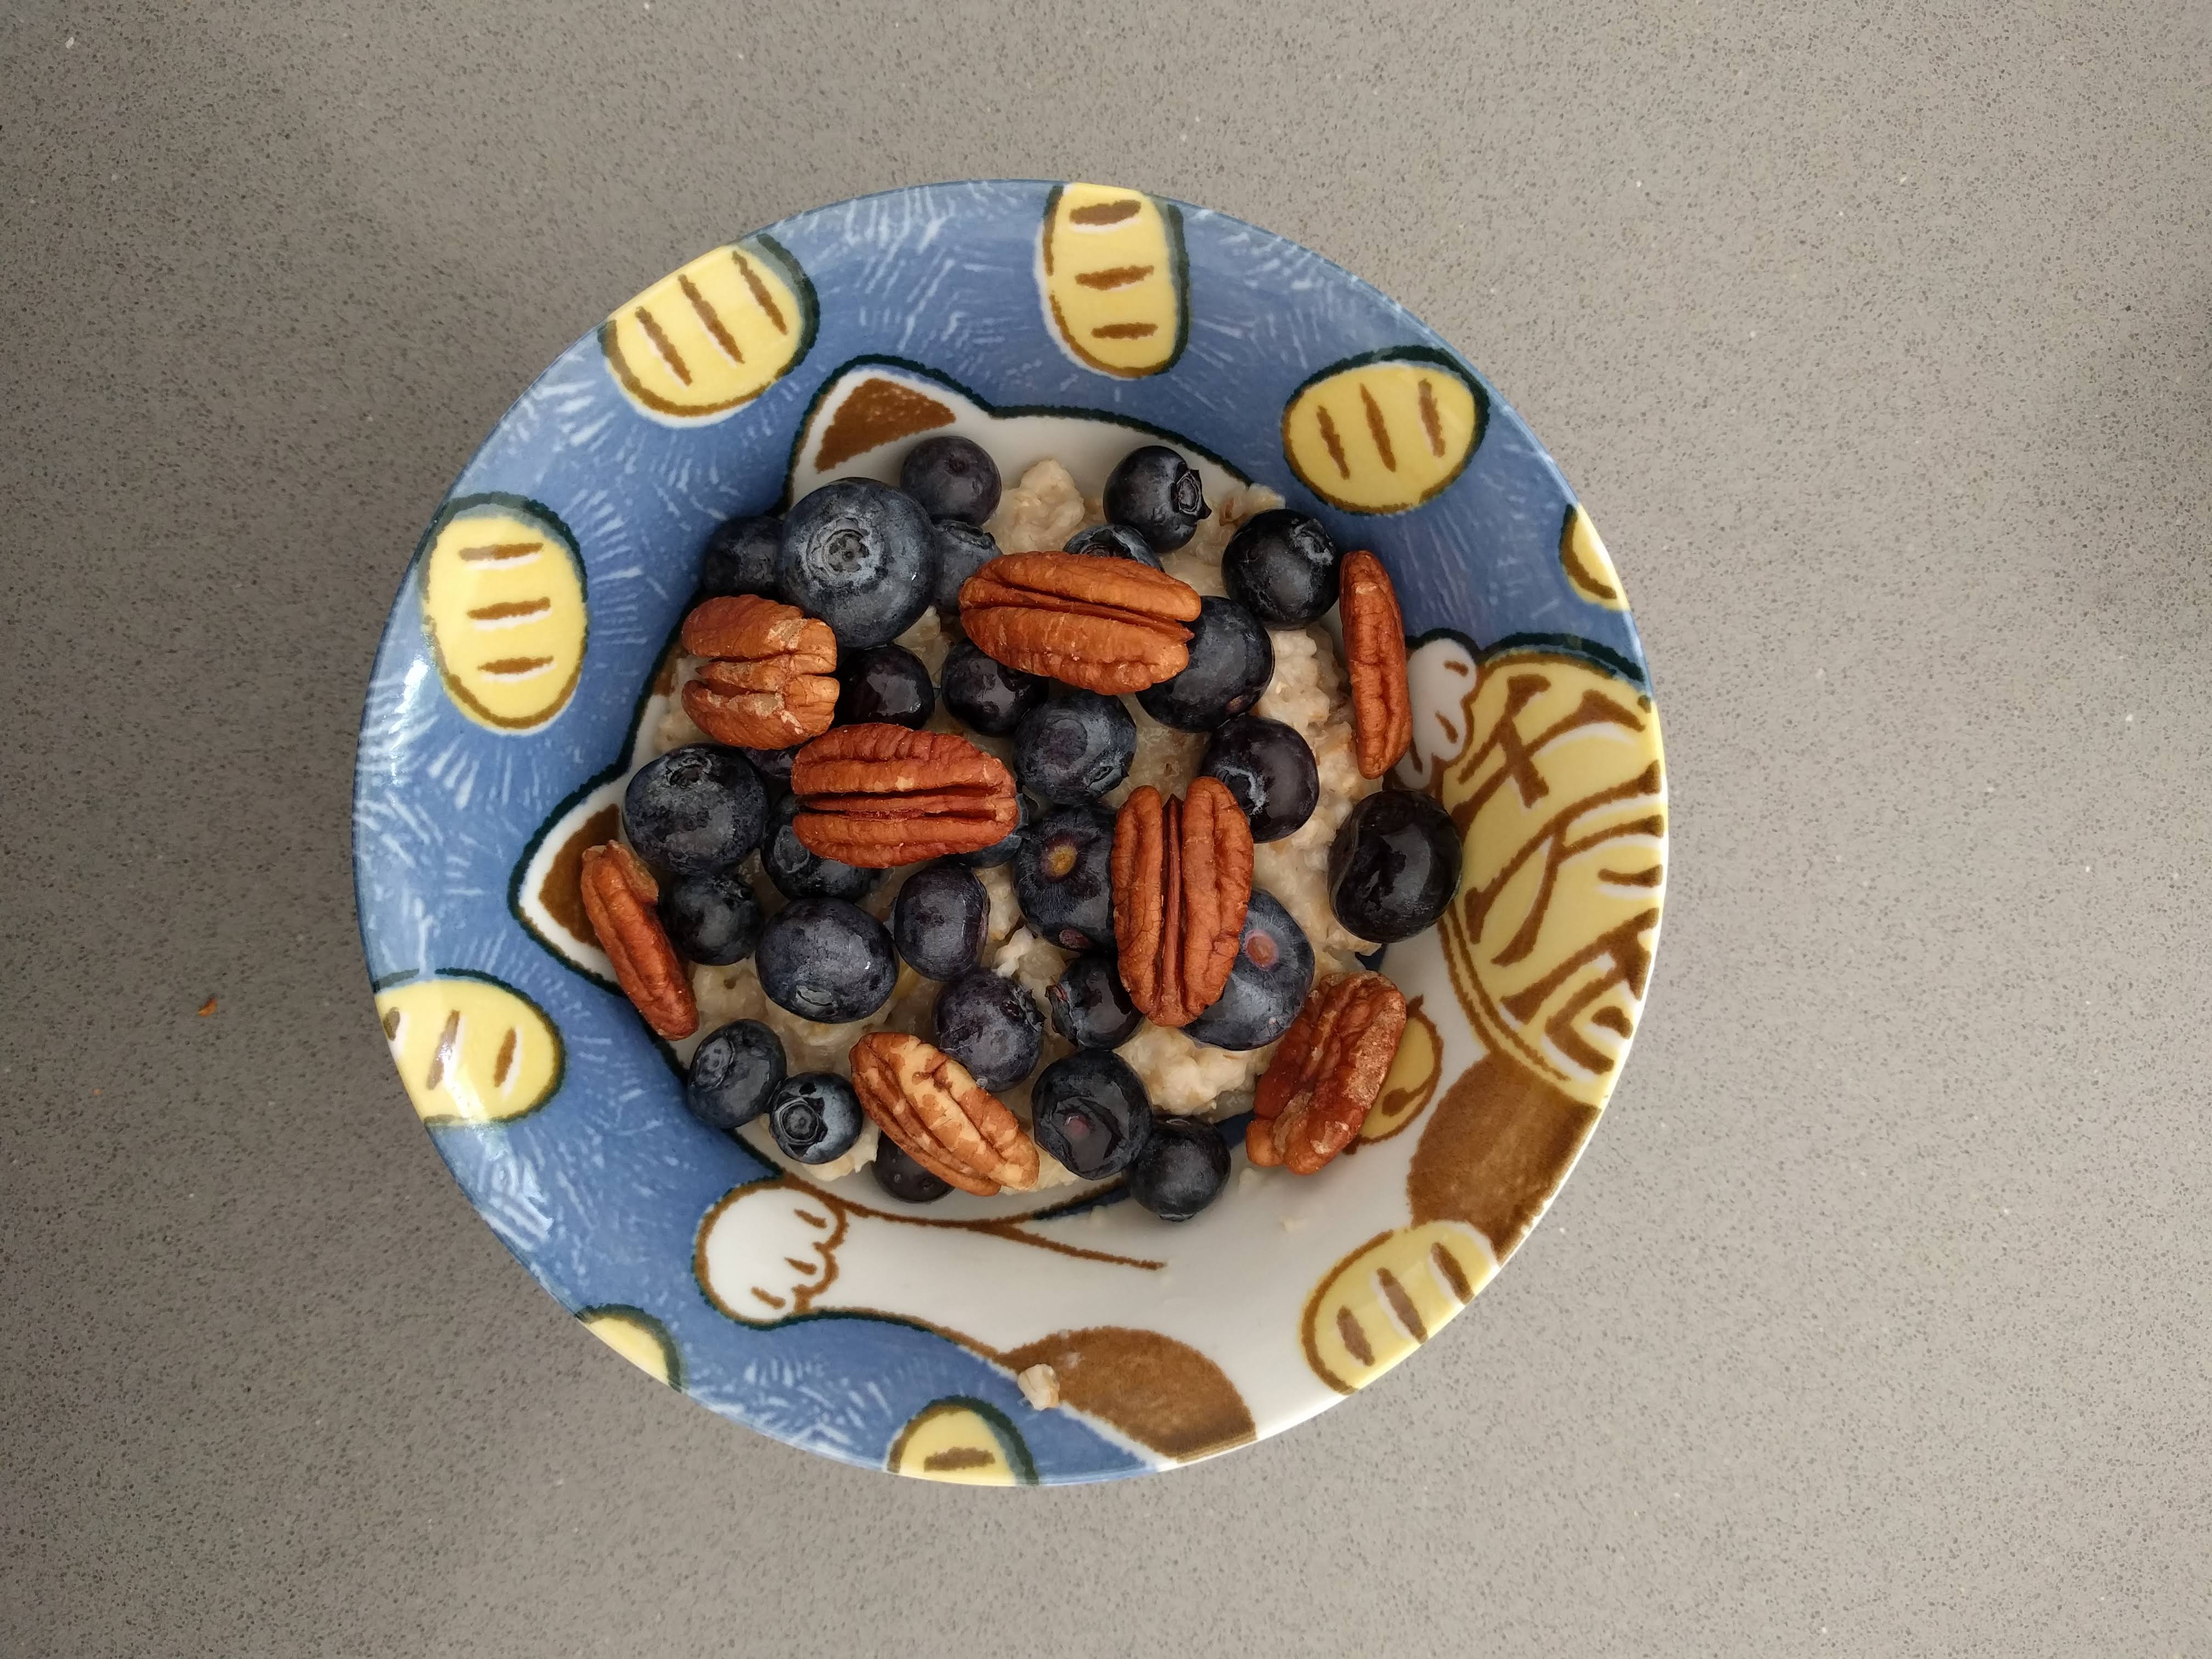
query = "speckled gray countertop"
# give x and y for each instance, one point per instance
(1875, 1319)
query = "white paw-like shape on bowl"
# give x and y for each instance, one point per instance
(1231, 1285)
(778, 1249)
(772, 1250)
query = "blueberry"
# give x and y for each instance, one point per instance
(1268, 985)
(1231, 661)
(961, 550)
(1075, 747)
(986, 695)
(815, 1117)
(937, 920)
(1112, 541)
(1001, 852)
(1155, 492)
(1183, 1170)
(1090, 1006)
(734, 1070)
(826, 960)
(1063, 875)
(1394, 866)
(1269, 768)
(773, 765)
(694, 809)
(885, 683)
(1091, 1113)
(991, 1025)
(740, 557)
(897, 1173)
(952, 478)
(860, 555)
(1283, 566)
(711, 917)
(799, 874)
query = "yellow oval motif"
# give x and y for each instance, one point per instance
(1389, 1296)
(503, 606)
(1412, 1080)
(1114, 280)
(1383, 434)
(470, 1050)
(639, 1338)
(1560, 792)
(1589, 567)
(713, 335)
(964, 1442)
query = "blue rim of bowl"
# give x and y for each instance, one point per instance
(1635, 670)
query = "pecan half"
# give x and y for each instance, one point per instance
(619, 894)
(1182, 878)
(1107, 625)
(766, 682)
(1374, 653)
(940, 1116)
(1326, 1073)
(877, 796)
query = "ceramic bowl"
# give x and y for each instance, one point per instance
(529, 652)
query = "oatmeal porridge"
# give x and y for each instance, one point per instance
(1145, 571)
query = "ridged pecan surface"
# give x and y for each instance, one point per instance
(938, 1114)
(877, 796)
(1108, 625)
(1182, 878)
(1326, 1074)
(767, 680)
(1375, 657)
(619, 895)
